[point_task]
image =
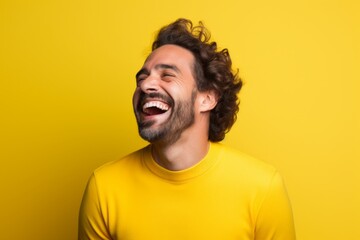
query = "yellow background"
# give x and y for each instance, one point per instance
(66, 80)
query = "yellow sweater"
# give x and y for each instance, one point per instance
(227, 195)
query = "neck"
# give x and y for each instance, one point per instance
(182, 154)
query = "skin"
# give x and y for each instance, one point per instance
(167, 78)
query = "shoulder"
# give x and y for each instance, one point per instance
(122, 166)
(245, 167)
(253, 178)
(233, 156)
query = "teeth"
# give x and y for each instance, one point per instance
(156, 104)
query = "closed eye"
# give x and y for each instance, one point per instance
(140, 78)
(167, 75)
(141, 75)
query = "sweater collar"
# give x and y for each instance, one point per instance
(195, 171)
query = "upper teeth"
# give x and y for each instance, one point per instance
(157, 104)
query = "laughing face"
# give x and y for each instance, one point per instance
(165, 94)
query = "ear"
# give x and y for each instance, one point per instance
(208, 100)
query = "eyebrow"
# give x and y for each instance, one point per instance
(167, 66)
(158, 66)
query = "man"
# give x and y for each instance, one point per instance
(185, 185)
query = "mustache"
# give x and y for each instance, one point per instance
(144, 96)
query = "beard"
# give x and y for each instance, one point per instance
(181, 118)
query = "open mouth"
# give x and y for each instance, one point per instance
(155, 107)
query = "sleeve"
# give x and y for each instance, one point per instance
(91, 222)
(275, 219)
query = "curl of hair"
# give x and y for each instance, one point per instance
(212, 71)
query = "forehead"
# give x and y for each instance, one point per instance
(170, 54)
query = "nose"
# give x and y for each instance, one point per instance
(149, 84)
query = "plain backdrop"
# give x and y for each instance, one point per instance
(67, 73)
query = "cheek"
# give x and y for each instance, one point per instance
(178, 91)
(135, 98)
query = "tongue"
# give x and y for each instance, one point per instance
(153, 111)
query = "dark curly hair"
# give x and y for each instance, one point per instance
(212, 71)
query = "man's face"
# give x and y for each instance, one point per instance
(165, 94)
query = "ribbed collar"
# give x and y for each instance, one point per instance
(183, 175)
